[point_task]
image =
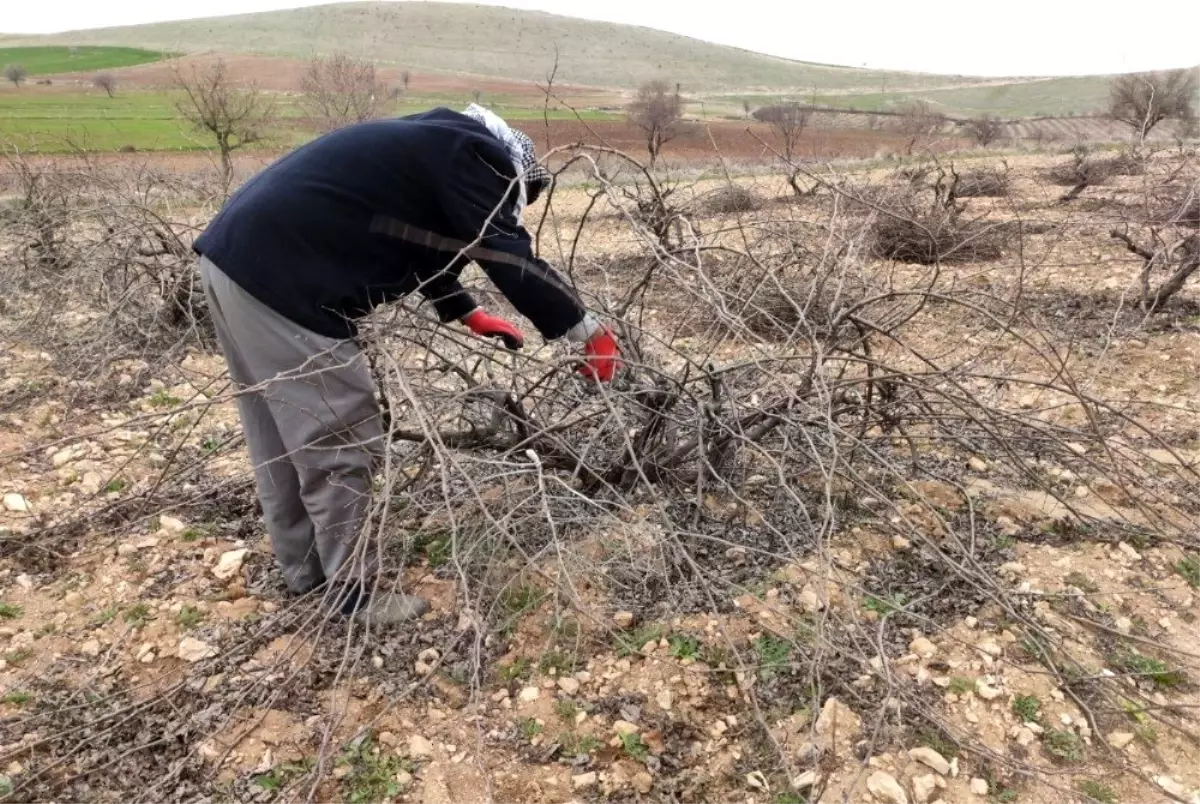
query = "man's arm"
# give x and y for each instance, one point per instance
(446, 293)
(471, 199)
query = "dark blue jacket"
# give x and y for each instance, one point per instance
(374, 211)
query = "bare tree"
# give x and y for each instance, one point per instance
(746, 107)
(657, 111)
(1181, 258)
(787, 122)
(919, 122)
(107, 82)
(235, 117)
(15, 73)
(405, 78)
(984, 130)
(476, 95)
(1142, 101)
(340, 89)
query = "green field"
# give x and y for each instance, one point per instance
(54, 122)
(51, 59)
(32, 118)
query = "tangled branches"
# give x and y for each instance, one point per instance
(929, 225)
(100, 264)
(820, 446)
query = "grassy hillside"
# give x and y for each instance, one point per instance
(491, 41)
(487, 41)
(50, 59)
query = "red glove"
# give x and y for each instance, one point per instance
(490, 326)
(603, 357)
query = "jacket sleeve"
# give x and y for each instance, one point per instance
(479, 211)
(446, 293)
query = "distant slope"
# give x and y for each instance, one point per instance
(491, 41)
(48, 60)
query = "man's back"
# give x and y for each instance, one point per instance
(298, 236)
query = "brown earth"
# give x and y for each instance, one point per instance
(102, 620)
(281, 74)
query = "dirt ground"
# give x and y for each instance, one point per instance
(280, 74)
(701, 146)
(160, 641)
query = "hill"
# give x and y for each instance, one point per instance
(500, 42)
(469, 43)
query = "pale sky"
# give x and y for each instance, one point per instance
(994, 37)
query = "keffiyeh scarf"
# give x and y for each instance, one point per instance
(520, 151)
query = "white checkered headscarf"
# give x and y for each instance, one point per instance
(534, 177)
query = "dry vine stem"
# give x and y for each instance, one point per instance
(796, 413)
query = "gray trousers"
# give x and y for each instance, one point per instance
(313, 429)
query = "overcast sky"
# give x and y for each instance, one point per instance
(1009, 37)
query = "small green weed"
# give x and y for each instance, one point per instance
(961, 685)
(137, 615)
(115, 485)
(719, 658)
(372, 777)
(280, 776)
(577, 745)
(772, 655)
(806, 631)
(1081, 581)
(437, 544)
(518, 600)
(10, 612)
(520, 667)
(560, 662)
(196, 533)
(564, 629)
(630, 642)
(1143, 724)
(1097, 792)
(530, 728)
(210, 445)
(1140, 539)
(1003, 541)
(15, 657)
(934, 738)
(162, 399)
(189, 617)
(566, 709)
(789, 797)
(106, 615)
(1063, 744)
(6, 787)
(1156, 670)
(1036, 649)
(1004, 795)
(16, 698)
(1066, 528)
(1189, 568)
(1027, 707)
(885, 605)
(632, 743)
(684, 646)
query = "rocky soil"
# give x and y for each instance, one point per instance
(148, 650)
